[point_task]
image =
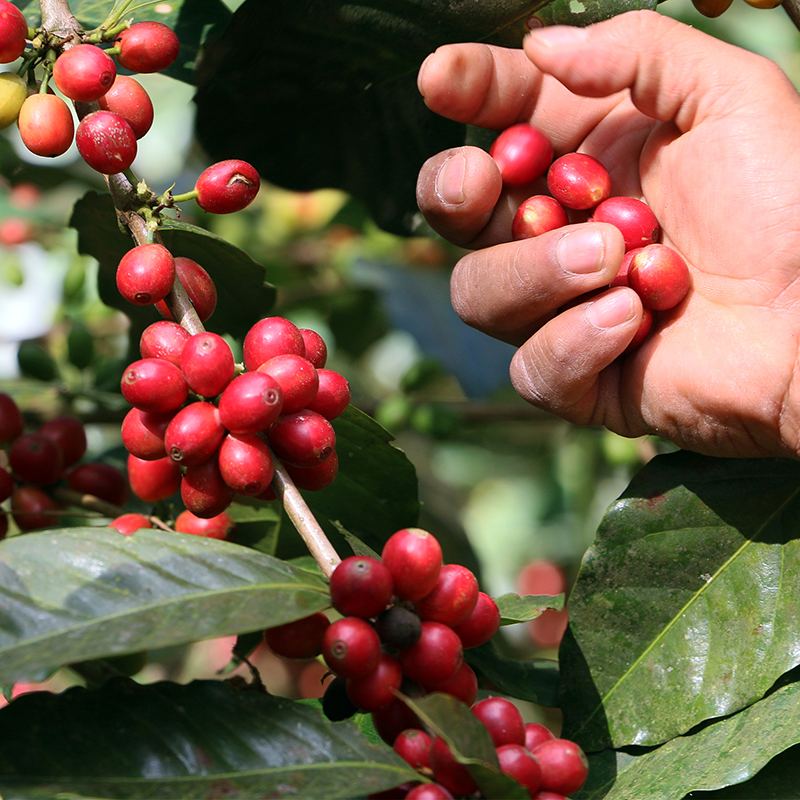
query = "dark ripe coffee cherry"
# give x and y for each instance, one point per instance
(69, 434)
(35, 458)
(452, 598)
(336, 705)
(332, 396)
(303, 438)
(221, 526)
(578, 181)
(413, 745)
(227, 186)
(101, 480)
(435, 657)
(298, 379)
(377, 689)
(145, 274)
(13, 32)
(660, 276)
(147, 47)
(522, 153)
(360, 586)
(203, 490)
(250, 403)
(6, 484)
(481, 623)
(428, 791)
(128, 98)
(84, 73)
(536, 734)
(316, 351)
(398, 627)
(12, 423)
(45, 124)
(634, 219)
(502, 719)
(455, 777)
(198, 285)
(316, 478)
(564, 766)
(152, 481)
(537, 215)
(194, 434)
(391, 720)
(246, 464)
(143, 433)
(164, 339)
(130, 523)
(300, 639)
(519, 764)
(155, 385)
(270, 337)
(463, 685)
(207, 364)
(414, 557)
(32, 508)
(351, 647)
(106, 142)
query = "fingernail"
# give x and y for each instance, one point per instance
(559, 36)
(420, 71)
(581, 251)
(611, 310)
(450, 180)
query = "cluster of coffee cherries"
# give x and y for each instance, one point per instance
(208, 428)
(713, 8)
(579, 189)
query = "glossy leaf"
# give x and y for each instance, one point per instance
(685, 605)
(82, 593)
(205, 739)
(515, 608)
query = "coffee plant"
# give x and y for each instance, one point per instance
(273, 523)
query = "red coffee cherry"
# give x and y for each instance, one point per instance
(481, 623)
(360, 586)
(522, 153)
(578, 181)
(101, 480)
(303, 438)
(221, 526)
(537, 215)
(69, 434)
(164, 339)
(536, 734)
(13, 32)
(377, 689)
(316, 478)
(435, 657)
(207, 364)
(351, 648)
(634, 218)
(414, 558)
(152, 481)
(35, 458)
(143, 433)
(297, 377)
(300, 639)
(194, 434)
(199, 286)
(155, 385)
(270, 337)
(32, 508)
(643, 331)
(391, 720)
(413, 745)
(84, 73)
(316, 351)
(332, 396)
(204, 491)
(147, 47)
(45, 125)
(463, 685)
(452, 598)
(519, 764)
(660, 276)
(145, 274)
(564, 766)
(12, 423)
(428, 791)
(502, 719)
(246, 464)
(129, 523)
(455, 777)
(227, 186)
(129, 99)
(106, 142)
(250, 403)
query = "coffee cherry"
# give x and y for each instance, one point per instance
(537, 215)
(13, 32)
(270, 337)
(164, 339)
(152, 481)
(106, 142)
(198, 285)
(564, 766)
(578, 181)
(398, 627)
(502, 719)
(643, 331)
(463, 685)
(207, 364)
(101, 480)
(194, 434)
(84, 73)
(246, 464)
(300, 639)
(452, 598)
(316, 351)
(129, 523)
(660, 276)
(428, 791)
(536, 734)
(45, 125)
(336, 705)
(250, 403)
(413, 745)
(316, 478)
(147, 47)
(634, 219)
(12, 423)
(7, 484)
(128, 98)
(435, 657)
(222, 526)
(145, 274)
(35, 458)
(70, 436)
(332, 396)
(155, 385)
(303, 439)
(712, 8)
(32, 508)
(377, 689)
(481, 623)
(227, 186)
(298, 379)
(519, 764)
(143, 433)
(522, 153)
(351, 647)
(545, 795)
(414, 558)
(360, 586)
(13, 93)
(204, 491)
(455, 777)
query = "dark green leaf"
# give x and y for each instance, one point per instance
(82, 593)
(514, 608)
(685, 606)
(586, 12)
(167, 741)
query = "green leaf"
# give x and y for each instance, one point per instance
(685, 605)
(243, 295)
(82, 593)
(586, 12)
(727, 751)
(514, 608)
(164, 740)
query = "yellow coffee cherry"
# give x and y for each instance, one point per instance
(13, 91)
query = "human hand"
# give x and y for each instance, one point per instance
(706, 134)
